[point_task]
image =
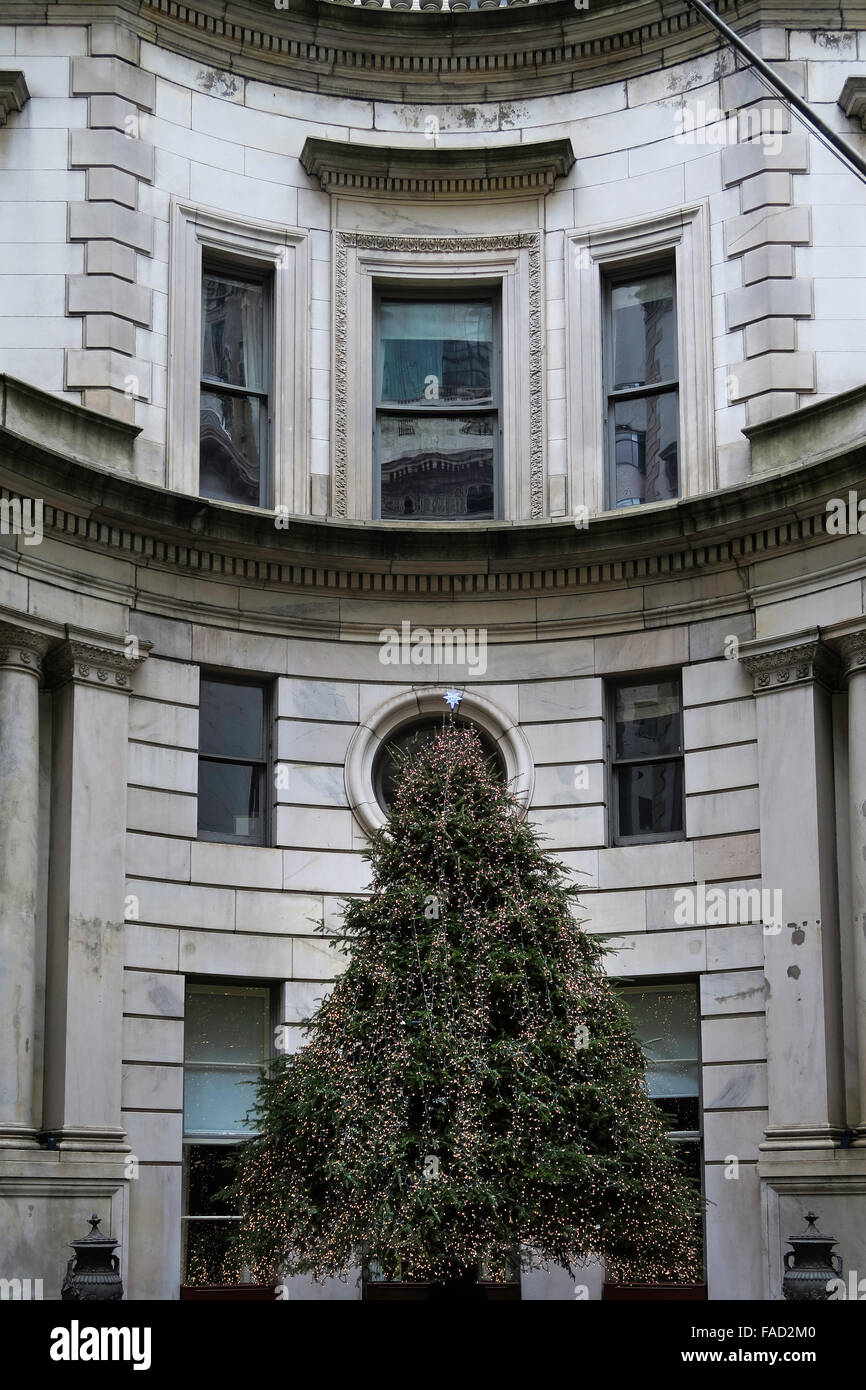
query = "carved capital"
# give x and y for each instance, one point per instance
(23, 648)
(108, 665)
(775, 667)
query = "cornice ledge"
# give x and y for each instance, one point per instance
(799, 658)
(95, 660)
(14, 94)
(341, 167)
(852, 99)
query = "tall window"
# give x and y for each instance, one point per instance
(646, 758)
(227, 1032)
(642, 390)
(436, 384)
(235, 387)
(666, 1024)
(234, 755)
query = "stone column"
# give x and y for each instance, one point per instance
(84, 1008)
(21, 652)
(851, 646)
(793, 677)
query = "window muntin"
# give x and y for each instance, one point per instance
(227, 1032)
(437, 416)
(647, 760)
(233, 760)
(234, 390)
(642, 390)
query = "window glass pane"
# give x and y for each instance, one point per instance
(231, 719)
(225, 1026)
(207, 1172)
(435, 352)
(647, 449)
(437, 468)
(230, 799)
(648, 719)
(231, 447)
(650, 798)
(408, 741)
(644, 332)
(216, 1100)
(665, 1022)
(232, 331)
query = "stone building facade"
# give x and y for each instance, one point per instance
(237, 241)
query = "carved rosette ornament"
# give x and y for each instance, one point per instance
(22, 648)
(110, 667)
(781, 667)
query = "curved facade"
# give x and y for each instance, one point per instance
(350, 356)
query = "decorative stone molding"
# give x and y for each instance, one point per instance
(774, 666)
(109, 666)
(14, 94)
(23, 648)
(342, 167)
(361, 255)
(852, 99)
(417, 703)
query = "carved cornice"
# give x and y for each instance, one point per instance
(775, 668)
(105, 665)
(14, 94)
(23, 648)
(341, 167)
(445, 246)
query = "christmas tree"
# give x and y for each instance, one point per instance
(471, 1088)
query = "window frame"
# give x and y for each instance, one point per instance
(438, 294)
(223, 1141)
(610, 281)
(681, 235)
(615, 838)
(218, 265)
(268, 686)
(200, 234)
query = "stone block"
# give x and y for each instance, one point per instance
(104, 330)
(110, 222)
(111, 76)
(733, 992)
(767, 261)
(754, 229)
(108, 294)
(110, 185)
(771, 189)
(150, 993)
(770, 335)
(111, 258)
(769, 299)
(741, 162)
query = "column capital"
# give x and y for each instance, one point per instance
(800, 658)
(23, 648)
(89, 659)
(848, 639)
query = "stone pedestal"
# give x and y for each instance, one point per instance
(86, 897)
(21, 652)
(793, 678)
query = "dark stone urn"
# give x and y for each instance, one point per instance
(809, 1266)
(96, 1273)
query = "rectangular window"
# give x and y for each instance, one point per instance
(227, 1032)
(233, 761)
(437, 412)
(235, 389)
(646, 759)
(666, 1024)
(642, 389)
